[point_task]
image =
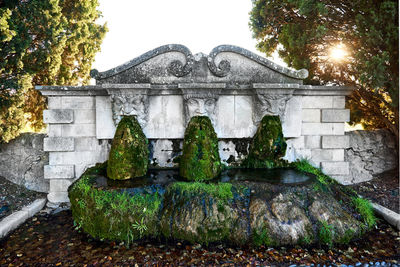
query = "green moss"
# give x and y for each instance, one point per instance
(262, 238)
(200, 159)
(325, 234)
(268, 145)
(304, 166)
(114, 215)
(365, 209)
(347, 237)
(129, 151)
(221, 191)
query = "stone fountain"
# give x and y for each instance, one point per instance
(228, 109)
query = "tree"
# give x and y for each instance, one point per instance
(305, 31)
(42, 42)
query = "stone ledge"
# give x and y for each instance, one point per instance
(14, 220)
(390, 216)
(335, 168)
(58, 116)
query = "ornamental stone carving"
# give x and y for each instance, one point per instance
(269, 103)
(132, 102)
(200, 102)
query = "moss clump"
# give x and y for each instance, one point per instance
(268, 145)
(129, 151)
(221, 191)
(114, 214)
(325, 233)
(365, 209)
(200, 159)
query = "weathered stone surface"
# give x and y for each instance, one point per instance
(335, 168)
(58, 144)
(335, 115)
(105, 127)
(59, 171)
(336, 141)
(311, 115)
(78, 102)
(312, 141)
(78, 130)
(200, 158)
(315, 128)
(129, 154)
(370, 153)
(58, 116)
(22, 161)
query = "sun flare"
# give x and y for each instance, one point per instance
(338, 53)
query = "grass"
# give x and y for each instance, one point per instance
(325, 234)
(222, 191)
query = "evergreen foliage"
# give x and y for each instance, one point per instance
(303, 31)
(42, 42)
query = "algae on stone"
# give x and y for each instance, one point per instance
(129, 151)
(268, 145)
(200, 157)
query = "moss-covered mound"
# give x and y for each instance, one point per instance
(255, 213)
(268, 145)
(200, 157)
(129, 154)
(114, 214)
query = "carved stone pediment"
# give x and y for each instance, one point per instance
(200, 102)
(129, 102)
(270, 102)
(173, 64)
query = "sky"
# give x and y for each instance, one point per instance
(137, 26)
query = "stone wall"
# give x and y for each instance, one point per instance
(22, 161)
(370, 153)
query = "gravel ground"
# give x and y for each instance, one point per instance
(13, 197)
(53, 240)
(383, 189)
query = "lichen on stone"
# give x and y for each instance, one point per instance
(200, 159)
(268, 145)
(129, 151)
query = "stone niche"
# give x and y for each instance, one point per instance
(166, 86)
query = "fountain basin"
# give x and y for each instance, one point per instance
(258, 211)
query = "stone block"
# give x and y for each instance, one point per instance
(311, 115)
(342, 179)
(317, 102)
(105, 128)
(84, 116)
(291, 124)
(315, 128)
(54, 102)
(78, 102)
(165, 119)
(58, 197)
(335, 115)
(320, 155)
(90, 144)
(54, 130)
(336, 141)
(296, 142)
(335, 168)
(59, 171)
(58, 116)
(225, 120)
(58, 144)
(312, 141)
(339, 102)
(35, 206)
(77, 130)
(60, 185)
